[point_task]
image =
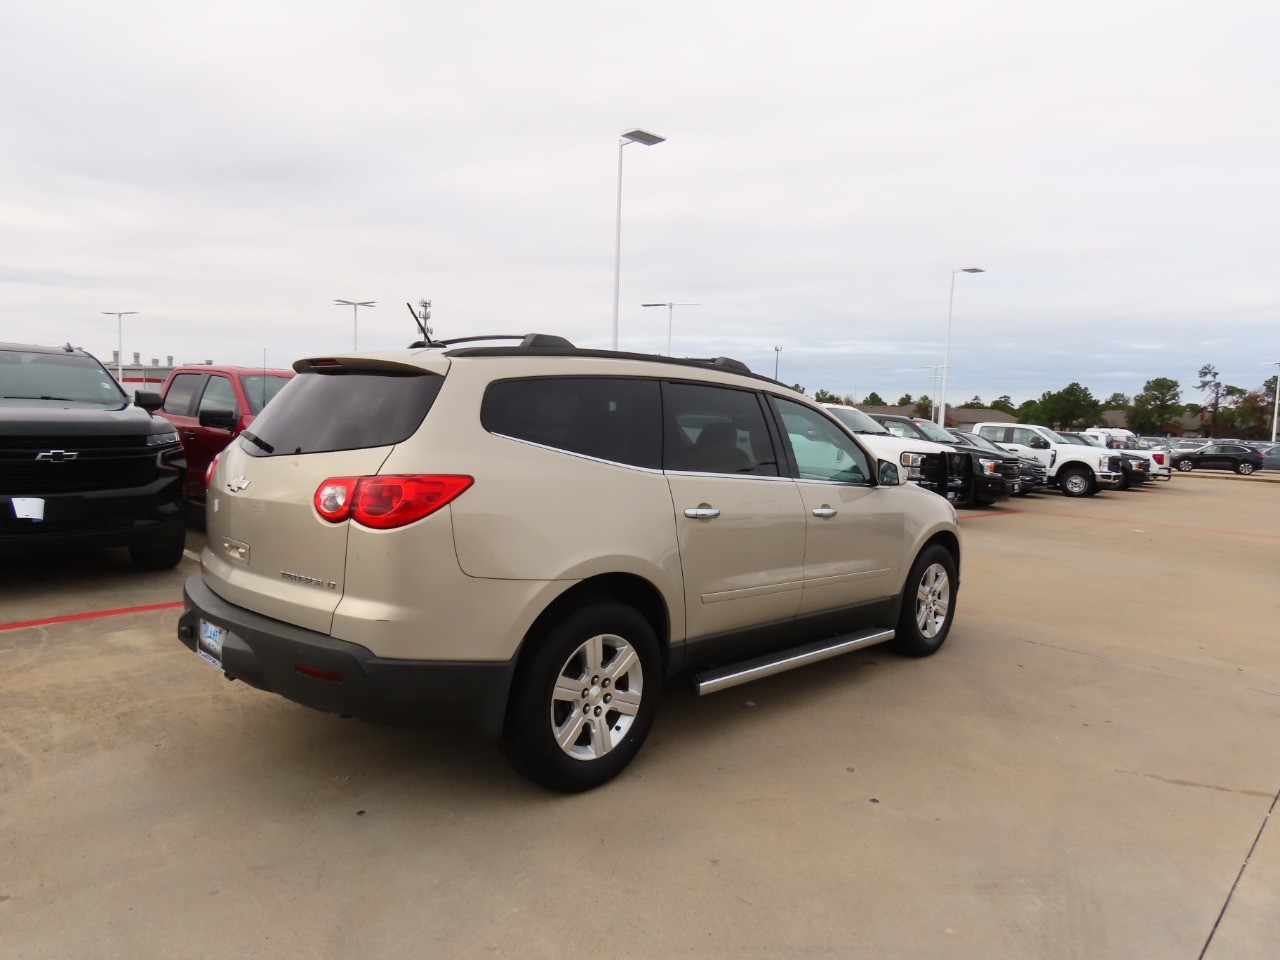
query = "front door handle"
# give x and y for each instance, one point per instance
(703, 511)
(824, 511)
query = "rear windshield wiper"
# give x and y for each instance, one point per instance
(258, 442)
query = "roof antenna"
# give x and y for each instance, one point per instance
(422, 320)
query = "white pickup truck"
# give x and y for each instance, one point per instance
(1159, 459)
(1077, 471)
(943, 473)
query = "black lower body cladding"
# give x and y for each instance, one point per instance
(337, 676)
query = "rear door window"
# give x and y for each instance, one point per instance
(610, 418)
(318, 412)
(218, 394)
(711, 429)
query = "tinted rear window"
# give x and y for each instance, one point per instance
(260, 390)
(342, 410)
(610, 418)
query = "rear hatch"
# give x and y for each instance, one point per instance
(269, 550)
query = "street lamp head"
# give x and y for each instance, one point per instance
(655, 304)
(118, 313)
(969, 270)
(357, 303)
(643, 137)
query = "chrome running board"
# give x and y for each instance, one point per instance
(722, 678)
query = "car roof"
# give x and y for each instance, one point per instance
(42, 348)
(246, 371)
(541, 345)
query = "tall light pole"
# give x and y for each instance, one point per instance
(1275, 405)
(644, 139)
(777, 355)
(946, 356)
(355, 306)
(933, 388)
(670, 310)
(119, 315)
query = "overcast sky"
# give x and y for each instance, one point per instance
(229, 169)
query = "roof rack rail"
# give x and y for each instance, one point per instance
(725, 363)
(527, 340)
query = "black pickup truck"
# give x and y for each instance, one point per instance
(80, 465)
(992, 478)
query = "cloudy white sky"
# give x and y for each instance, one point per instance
(229, 169)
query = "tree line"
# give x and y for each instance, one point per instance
(1228, 411)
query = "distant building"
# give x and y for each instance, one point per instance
(144, 376)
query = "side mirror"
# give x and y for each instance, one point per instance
(218, 419)
(148, 401)
(887, 473)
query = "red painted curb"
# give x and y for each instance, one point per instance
(18, 625)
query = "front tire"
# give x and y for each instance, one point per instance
(585, 699)
(928, 603)
(1077, 483)
(1186, 466)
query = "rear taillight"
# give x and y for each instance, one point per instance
(333, 498)
(1159, 458)
(385, 502)
(208, 471)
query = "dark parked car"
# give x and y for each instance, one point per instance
(1032, 473)
(1240, 457)
(210, 406)
(991, 478)
(81, 466)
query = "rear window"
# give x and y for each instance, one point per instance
(342, 410)
(260, 390)
(610, 418)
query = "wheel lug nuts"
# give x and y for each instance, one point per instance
(604, 682)
(598, 711)
(595, 680)
(608, 698)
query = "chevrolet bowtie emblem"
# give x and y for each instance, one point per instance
(57, 456)
(237, 484)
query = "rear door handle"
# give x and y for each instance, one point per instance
(824, 511)
(703, 511)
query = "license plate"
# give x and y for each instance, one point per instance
(209, 642)
(1017, 486)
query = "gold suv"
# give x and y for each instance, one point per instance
(529, 539)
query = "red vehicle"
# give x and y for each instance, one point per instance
(209, 406)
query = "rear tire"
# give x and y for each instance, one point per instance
(928, 603)
(585, 699)
(1186, 466)
(1244, 469)
(166, 556)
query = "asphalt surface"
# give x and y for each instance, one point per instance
(1085, 770)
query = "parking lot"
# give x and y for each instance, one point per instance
(1082, 771)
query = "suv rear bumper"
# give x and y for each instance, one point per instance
(343, 677)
